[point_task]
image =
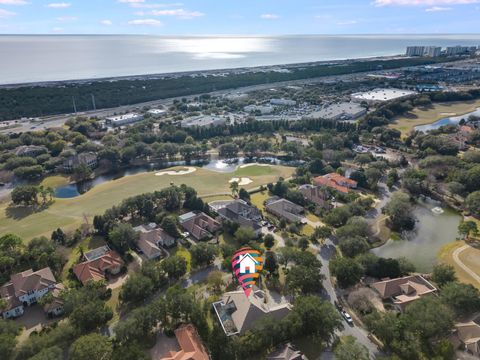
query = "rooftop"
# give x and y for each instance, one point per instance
(383, 94)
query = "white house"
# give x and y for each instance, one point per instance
(25, 289)
(247, 264)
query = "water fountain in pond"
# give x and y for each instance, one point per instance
(438, 210)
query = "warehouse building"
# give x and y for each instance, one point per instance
(121, 120)
(382, 95)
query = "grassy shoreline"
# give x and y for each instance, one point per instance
(431, 114)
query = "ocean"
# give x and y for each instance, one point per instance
(40, 58)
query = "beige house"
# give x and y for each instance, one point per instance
(466, 336)
(403, 291)
(237, 313)
(199, 225)
(151, 238)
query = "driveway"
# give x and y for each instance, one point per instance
(279, 241)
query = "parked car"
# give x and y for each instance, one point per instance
(347, 318)
(338, 306)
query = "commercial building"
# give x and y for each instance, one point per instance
(339, 111)
(204, 120)
(283, 102)
(157, 113)
(382, 95)
(262, 109)
(120, 120)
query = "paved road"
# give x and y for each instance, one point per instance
(456, 258)
(325, 253)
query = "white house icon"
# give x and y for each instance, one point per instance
(247, 264)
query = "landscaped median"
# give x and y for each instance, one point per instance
(70, 213)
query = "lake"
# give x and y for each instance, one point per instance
(422, 245)
(453, 120)
(39, 58)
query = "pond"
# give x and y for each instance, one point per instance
(421, 246)
(218, 165)
(454, 120)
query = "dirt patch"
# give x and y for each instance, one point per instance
(241, 181)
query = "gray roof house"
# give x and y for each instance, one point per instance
(30, 150)
(89, 159)
(284, 209)
(150, 238)
(317, 195)
(240, 212)
(237, 313)
(286, 351)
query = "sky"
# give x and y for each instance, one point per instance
(229, 17)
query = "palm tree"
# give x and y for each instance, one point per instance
(43, 193)
(234, 187)
(50, 192)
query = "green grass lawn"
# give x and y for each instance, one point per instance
(55, 181)
(258, 199)
(113, 302)
(254, 170)
(69, 213)
(181, 251)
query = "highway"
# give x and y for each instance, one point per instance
(58, 120)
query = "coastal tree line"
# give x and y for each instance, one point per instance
(33, 101)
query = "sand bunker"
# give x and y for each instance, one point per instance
(241, 181)
(188, 170)
(448, 114)
(252, 164)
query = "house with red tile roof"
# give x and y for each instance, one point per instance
(191, 346)
(336, 182)
(98, 263)
(25, 289)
